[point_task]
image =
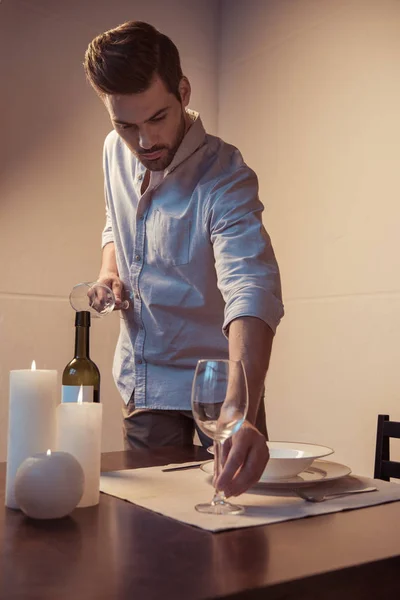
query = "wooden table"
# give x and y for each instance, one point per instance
(119, 551)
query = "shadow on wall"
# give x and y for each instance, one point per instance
(43, 90)
(42, 47)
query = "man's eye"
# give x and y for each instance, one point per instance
(158, 119)
(123, 125)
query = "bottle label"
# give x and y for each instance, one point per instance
(70, 393)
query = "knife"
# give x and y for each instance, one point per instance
(183, 468)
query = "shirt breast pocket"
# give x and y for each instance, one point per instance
(171, 239)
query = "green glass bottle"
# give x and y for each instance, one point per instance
(81, 370)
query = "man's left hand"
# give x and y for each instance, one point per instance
(245, 462)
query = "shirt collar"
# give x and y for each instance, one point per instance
(193, 139)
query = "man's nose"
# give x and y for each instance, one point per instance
(146, 140)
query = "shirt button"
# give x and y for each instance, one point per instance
(139, 362)
(142, 218)
(137, 296)
(137, 257)
(140, 177)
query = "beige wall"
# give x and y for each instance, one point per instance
(310, 92)
(51, 190)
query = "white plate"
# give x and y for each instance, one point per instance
(320, 471)
(296, 449)
(288, 459)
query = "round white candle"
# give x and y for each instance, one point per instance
(50, 485)
(32, 420)
(79, 432)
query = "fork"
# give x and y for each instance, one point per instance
(312, 498)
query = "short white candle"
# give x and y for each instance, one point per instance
(50, 485)
(32, 420)
(79, 432)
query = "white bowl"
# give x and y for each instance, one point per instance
(288, 459)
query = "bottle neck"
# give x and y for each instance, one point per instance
(81, 342)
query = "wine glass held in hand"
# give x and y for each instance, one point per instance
(95, 297)
(219, 406)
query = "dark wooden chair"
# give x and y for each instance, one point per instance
(384, 467)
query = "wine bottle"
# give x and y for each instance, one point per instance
(81, 370)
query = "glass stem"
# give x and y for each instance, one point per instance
(219, 496)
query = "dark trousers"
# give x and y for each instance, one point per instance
(149, 428)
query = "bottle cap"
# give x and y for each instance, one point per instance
(82, 319)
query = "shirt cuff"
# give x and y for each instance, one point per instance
(106, 238)
(264, 306)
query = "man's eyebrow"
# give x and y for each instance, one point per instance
(157, 114)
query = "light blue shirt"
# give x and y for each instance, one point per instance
(193, 255)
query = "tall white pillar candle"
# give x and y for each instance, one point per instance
(31, 422)
(79, 433)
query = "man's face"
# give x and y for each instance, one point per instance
(151, 123)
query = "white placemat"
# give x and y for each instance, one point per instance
(175, 493)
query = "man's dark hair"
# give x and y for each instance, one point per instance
(126, 59)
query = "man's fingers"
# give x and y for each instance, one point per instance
(117, 291)
(245, 463)
(249, 474)
(98, 297)
(237, 456)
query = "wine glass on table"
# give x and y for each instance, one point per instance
(219, 405)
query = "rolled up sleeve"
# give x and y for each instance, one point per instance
(247, 271)
(107, 234)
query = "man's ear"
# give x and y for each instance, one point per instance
(185, 91)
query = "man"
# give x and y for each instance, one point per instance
(184, 239)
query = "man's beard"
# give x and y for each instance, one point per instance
(169, 151)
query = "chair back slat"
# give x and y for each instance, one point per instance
(384, 467)
(390, 468)
(391, 429)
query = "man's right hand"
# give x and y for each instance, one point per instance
(109, 274)
(113, 281)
